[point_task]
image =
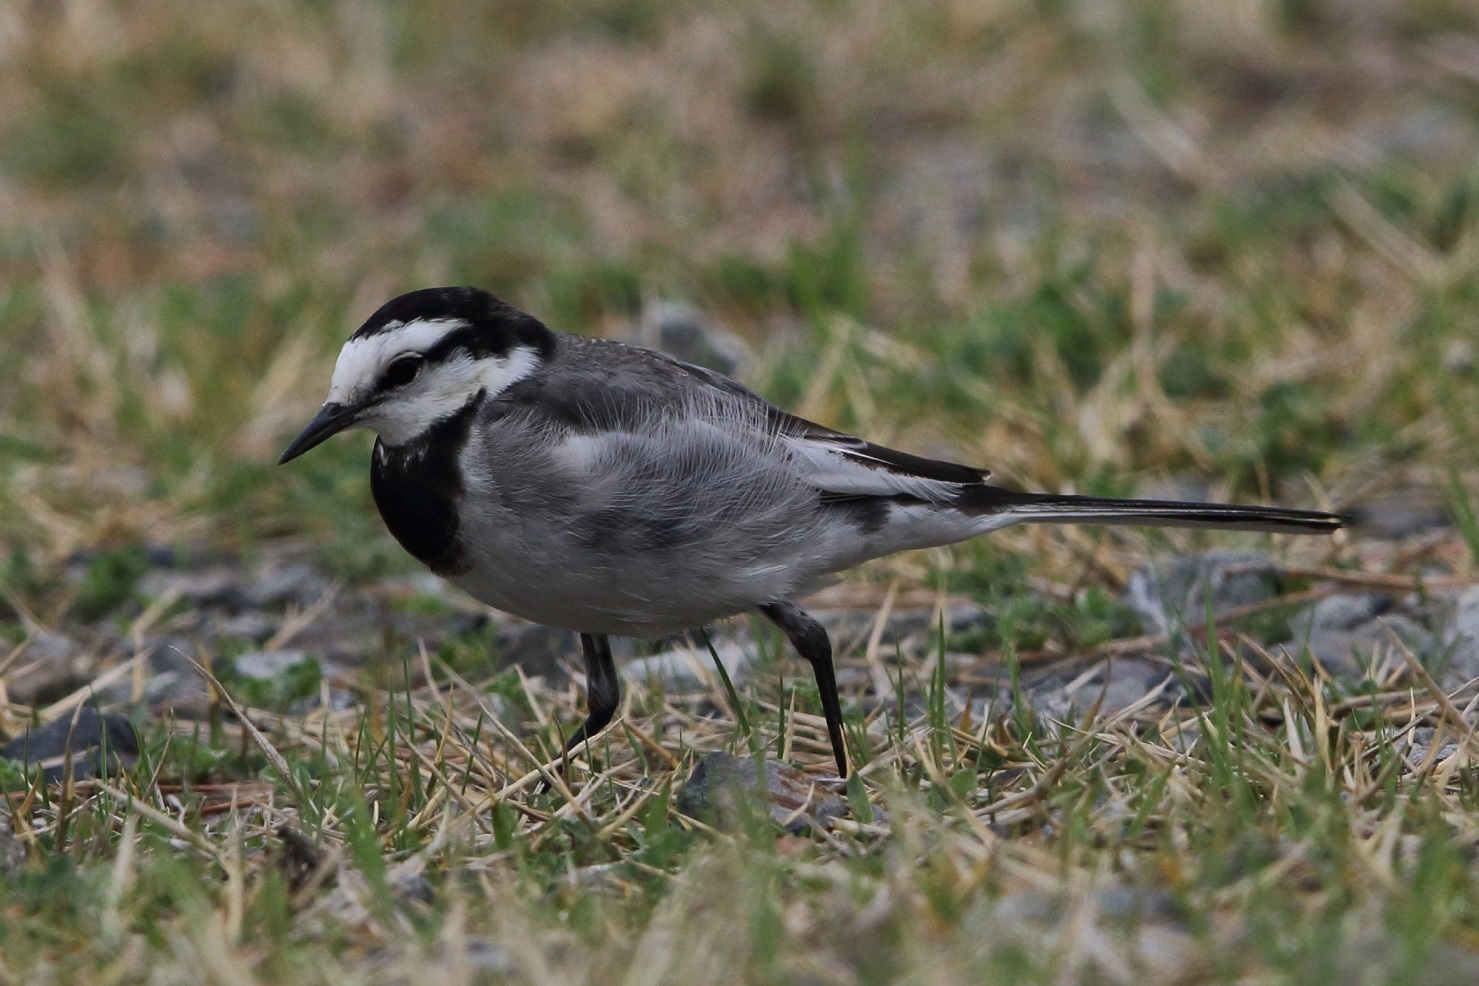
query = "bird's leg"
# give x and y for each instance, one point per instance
(810, 640)
(602, 688)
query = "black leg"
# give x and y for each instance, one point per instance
(602, 688)
(810, 641)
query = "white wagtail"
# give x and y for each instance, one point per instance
(607, 489)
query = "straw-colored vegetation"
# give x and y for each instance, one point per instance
(1099, 246)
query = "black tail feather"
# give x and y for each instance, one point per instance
(1053, 508)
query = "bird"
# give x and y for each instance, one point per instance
(603, 488)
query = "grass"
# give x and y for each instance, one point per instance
(1187, 843)
(1102, 249)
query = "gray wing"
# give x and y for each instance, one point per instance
(596, 386)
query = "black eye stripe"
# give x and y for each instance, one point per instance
(462, 342)
(471, 340)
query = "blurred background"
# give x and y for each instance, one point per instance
(1216, 248)
(1115, 246)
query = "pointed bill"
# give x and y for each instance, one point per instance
(331, 419)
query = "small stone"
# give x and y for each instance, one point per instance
(919, 630)
(397, 965)
(169, 653)
(172, 685)
(1459, 356)
(1052, 704)
(12, 849)
(52, 648)
(681, 330)
(1426, 132)
(1347, 632)
(413, 887)
(722, 786)
(1120, 902)
(916, 705)
(350, 630)
(1340, 613)
(1400, 514)
(997, 705)
(253, 625)
(1173, 593)
(1115, 686)
(101, 744)
(289, 583)
(52, 666)
(1422, 747)
(1461, 640)
(213, 588)
(684, 669)
(268, 665)
(539, 650)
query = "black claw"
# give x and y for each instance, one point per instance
(810, 640)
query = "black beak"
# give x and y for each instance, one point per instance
(331, 419)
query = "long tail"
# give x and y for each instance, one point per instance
(1051, 508)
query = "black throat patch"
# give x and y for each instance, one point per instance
(417, 487)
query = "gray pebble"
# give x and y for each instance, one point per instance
(218, 587)
(101, 744)
(681, 330)
(684, 669)
(12, 850)
(1340, 613)
(295, 582)
(1422, 745)
(1173, 593)
(1116, 685)
(172, 684)
(51, 666)
(1424, 133)
(1347, 632)
(252, 624)
(268, 665)
(1461, 640)
(1400, 514)
(722, 786)
(539, 650)
(911, 628)
(917, 706)
(1121, 902)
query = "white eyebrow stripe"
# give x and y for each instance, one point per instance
(362, 358)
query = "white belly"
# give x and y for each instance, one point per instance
(630, 586)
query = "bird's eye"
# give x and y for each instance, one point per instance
(401, 371)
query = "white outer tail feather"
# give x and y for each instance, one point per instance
(1050, 509)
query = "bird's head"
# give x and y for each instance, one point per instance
(420, 359)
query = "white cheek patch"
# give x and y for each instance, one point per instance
(497, 375)
(443, 389)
